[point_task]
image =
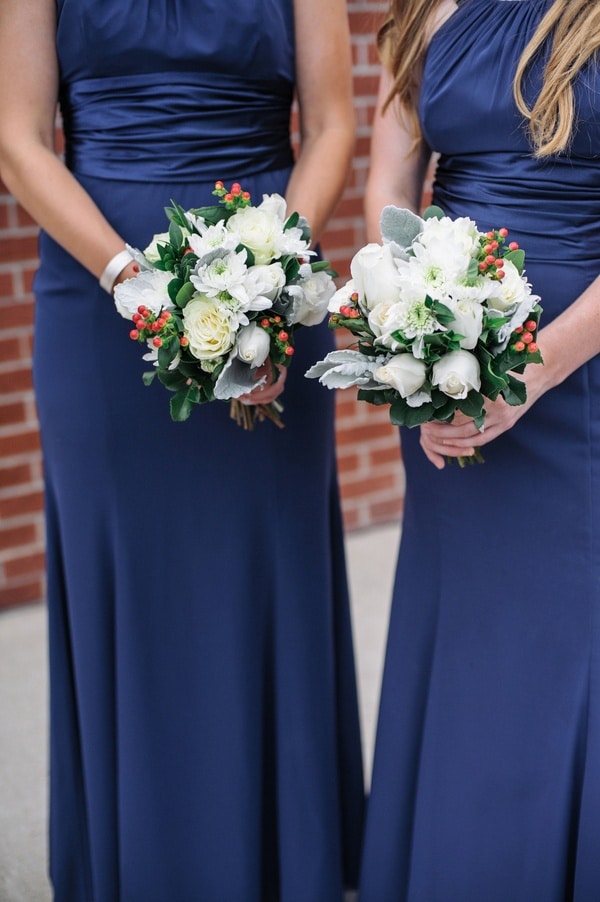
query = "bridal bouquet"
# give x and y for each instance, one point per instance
(443, 318)
(220, 295)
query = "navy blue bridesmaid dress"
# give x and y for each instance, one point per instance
(204, 729)
(486, 784)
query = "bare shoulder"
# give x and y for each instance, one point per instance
(443, 12)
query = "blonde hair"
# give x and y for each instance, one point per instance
(571, 26)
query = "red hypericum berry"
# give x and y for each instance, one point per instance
(345, 309)
(518, 330)
(500, 273)
(503, 232)
(513, 246)
(482, 266)
(283, 336)
(353, 313)
(490, 259)
(527, 337)
(531, 325)
(276, 319)
(489, 234)
(532, 347)
(157, 342)
(289, 351)
(155, 327)
(219, 185)
(135, 267)
(236, 188)
(245, 195)
(229, 198)
(136, 317)
(354, 297)
(488, 248)
(134, 334)
(519, 346)
(499, 262)
(142, 309)
(495, 245)
(264, 322)
(184, 341)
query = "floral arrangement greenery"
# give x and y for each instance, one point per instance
(443, 318)
(219, 297)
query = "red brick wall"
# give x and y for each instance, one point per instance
(370, 469)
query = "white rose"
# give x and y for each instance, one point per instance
(404, 373)
(509, 291)
(468, 321)
(375, 275)
(456, 374)
(317, 290)
(149, 288)
(271, 277)
(275, 205)
(384, 319)
(259, 230)
(208, 328)
(253, 345)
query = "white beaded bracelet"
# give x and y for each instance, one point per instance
(112, 269)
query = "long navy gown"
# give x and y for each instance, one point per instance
(486, 783)
(204, 739)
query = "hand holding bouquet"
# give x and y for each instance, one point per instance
(443, 318)
(220, 295)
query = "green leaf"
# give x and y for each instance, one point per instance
(174, 287)
(403, 415)
(292, 221)
(175, 235)
(148, 378)
(183, 402)
(515, 392)
(433, 212)
(184, 294)
(517, 258)
(172, 379)
(472, 405)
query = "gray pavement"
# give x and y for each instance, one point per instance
(23, 708)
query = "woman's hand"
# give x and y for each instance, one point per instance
(270, 389)
(461, 437)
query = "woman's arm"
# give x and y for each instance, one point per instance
(28, 165)
(398, 165)
(324, 91)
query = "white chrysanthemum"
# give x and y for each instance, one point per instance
(213, 237)
(229, 279)
(149, 288)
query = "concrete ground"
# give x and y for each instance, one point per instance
(23, 703)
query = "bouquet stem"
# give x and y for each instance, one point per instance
(476, 458)
(246, 415)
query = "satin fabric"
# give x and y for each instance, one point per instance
(204, 727)
(486, 779)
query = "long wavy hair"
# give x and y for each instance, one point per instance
(571, 26)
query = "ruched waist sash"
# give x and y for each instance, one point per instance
(176, 126)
